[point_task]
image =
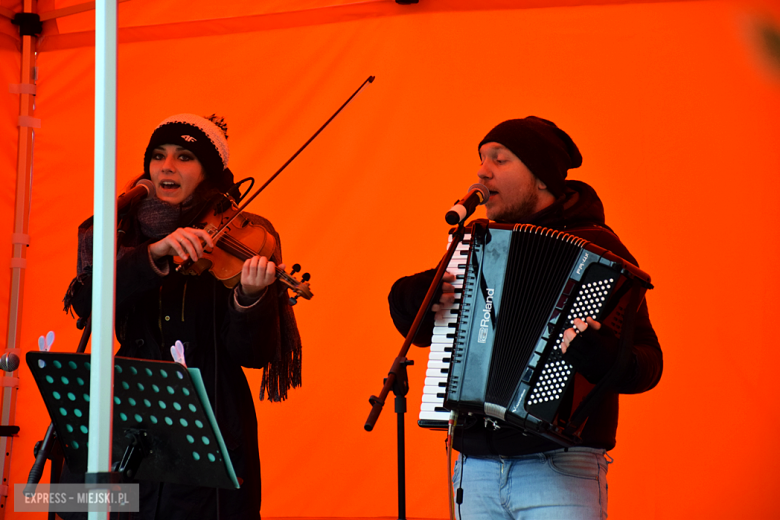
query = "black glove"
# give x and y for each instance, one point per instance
(593, 352)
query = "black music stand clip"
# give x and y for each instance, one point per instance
(163, 426)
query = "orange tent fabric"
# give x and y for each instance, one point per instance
(675, 107)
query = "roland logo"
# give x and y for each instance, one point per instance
(582, 263)
(485, 323)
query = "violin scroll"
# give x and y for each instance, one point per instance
(300, 288)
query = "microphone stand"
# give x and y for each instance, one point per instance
(397, 380)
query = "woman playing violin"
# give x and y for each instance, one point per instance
(222, 329)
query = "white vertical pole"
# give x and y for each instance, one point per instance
(103, 285)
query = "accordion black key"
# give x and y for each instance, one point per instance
(522, 286)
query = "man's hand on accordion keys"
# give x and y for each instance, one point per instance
(591, 352)
(579, 327)
(447, 297)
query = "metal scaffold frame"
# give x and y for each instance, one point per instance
(20, 238)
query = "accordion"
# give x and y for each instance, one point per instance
(497, 351)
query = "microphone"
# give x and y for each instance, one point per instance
(478, 194)
(142, 189)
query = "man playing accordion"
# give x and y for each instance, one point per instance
(504, 472)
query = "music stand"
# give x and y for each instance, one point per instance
(163, 426)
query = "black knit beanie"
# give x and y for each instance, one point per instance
(202, 137)
(544, 148)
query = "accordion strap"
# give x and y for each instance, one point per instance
(608, 382)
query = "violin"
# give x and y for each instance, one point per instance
(236, 240)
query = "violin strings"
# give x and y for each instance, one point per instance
(239, 247)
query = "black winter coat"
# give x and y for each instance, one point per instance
(581, 213)
(152, 312)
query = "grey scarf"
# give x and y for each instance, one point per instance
(154, 219)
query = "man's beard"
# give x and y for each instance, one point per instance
(520, 211)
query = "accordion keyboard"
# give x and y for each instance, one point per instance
(432, 411)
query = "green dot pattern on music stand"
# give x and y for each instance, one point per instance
(148, 396)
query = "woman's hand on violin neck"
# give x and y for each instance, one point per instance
(184, 242)
(257, 274)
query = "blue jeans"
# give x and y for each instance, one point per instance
(554, 485)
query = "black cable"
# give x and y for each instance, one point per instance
(214, 282)
(236, 189)
(459, 492)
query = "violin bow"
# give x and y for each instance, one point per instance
(243, 206)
